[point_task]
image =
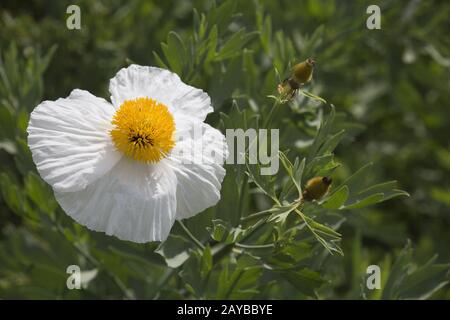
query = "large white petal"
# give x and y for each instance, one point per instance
(197, 160)
(133, 201)
(70, 141)
(162, 85)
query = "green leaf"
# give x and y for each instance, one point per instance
(175, 52)
(212, 44)
(234, 44)
(441, 194)
(322, 134)
(320, 164)
(370, 200)
(6, 123)
(387, 188)
(374, 194)
(323, 229)
(207, 262)
(289, 256)
(425, 281)
(325, 235)
(337, 199)
(332, 142)
(11, 194)
(399, 270)
(294, 171)
(238, 283)
(175, 250)
(305, 280)
(312, 96)
(8, 146)
(159, 61)
(355, 181)
(40, 193)
(191, 274)
(266, 35)
(221, 15)
(407, 281)
(281, 213)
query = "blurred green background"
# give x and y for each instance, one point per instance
(390, 88)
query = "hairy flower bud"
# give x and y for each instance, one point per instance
(303, 71)
(301, 74)
(316, 188)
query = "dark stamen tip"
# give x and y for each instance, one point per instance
(311, 61)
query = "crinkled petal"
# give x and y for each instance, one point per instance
(162, 85)
(70, 142)
(133, 201)
(197, 160)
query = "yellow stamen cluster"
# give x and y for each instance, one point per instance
(143, 130)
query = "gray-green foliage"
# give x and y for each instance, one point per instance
(260, 241)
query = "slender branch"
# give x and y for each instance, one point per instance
(242, 194)
(191, 236)
(254, 246)
(318, 237)
(257, 215)
(268, 121)
(233, 284)
(258, 226)
(164, 281)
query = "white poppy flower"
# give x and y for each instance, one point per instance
(130, 168)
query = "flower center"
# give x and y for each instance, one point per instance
(143, 130)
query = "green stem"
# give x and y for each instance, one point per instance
(164, 281)
(258, 226)
(233, 284)
(242, 195)
(191, 236)
(254, 246)
(220, 251)
(257, 215)
(268, 121)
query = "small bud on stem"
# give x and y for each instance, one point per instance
(316, 188)
(301, 74)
